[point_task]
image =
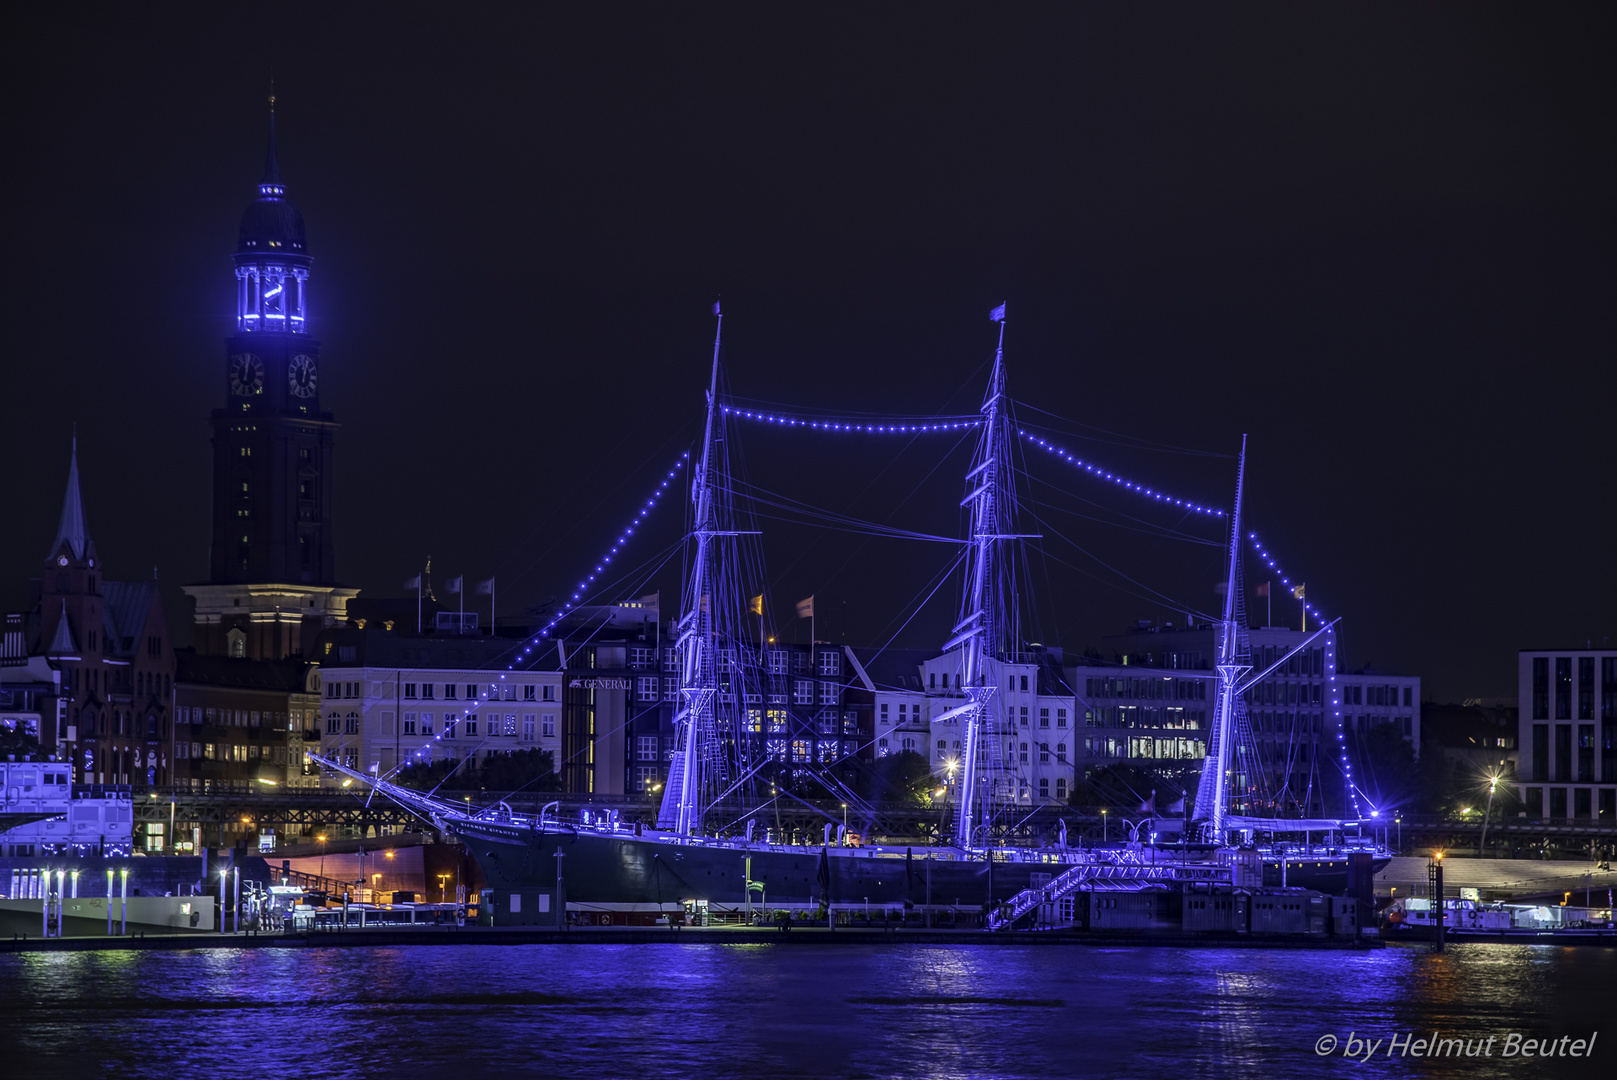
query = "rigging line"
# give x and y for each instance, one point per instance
(1111, 509)
(1149, 530)
(1134, 442)
(943, 576)
(848, 523)
(886, 534)
(1154, 595)
(895, 508)
(1145, 491)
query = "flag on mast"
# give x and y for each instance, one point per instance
(756, 604)
(1300, 591)
(805, 608)
(413, 583)
(998, 314)
(454, 584)
(485, 588)
(1262, 590)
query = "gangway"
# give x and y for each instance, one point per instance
(1006, 915)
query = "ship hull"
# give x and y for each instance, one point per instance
(622, 871)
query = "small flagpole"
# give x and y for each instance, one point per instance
(418, 604)
(491, 595)
(1269, 595)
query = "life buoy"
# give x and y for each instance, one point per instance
(605, 919)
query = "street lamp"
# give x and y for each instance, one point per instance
(1493, 784)
(1105, 833)
(844, 821)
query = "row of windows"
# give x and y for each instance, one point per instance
(913, 714)
(1157, 688)
(196, 714)
(275, 755)
(1146, 716)
(1376, 695)
(1582, 803)
(776, 661)
(1585, 696)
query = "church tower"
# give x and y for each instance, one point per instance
(273, 580)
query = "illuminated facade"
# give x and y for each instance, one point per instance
(1567, 739)
(272, 581)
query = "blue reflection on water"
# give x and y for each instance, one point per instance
(697, 1010)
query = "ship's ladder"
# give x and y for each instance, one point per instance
(1006, 915)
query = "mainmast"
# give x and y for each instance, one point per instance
(1233, 662)
(697, 746)
(981, 629)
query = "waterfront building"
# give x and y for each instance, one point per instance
(241, 724)
(1146, 697)
(387, 699)
(1032, 716)
(272, 582)
(1567, 733)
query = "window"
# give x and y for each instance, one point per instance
(1061, 787)
(1023, 758)
(1024, 684)
(881, 748)
(352, 724)
(1044, 787)
(803, 692)
(1010, 684)
(640, 657)
(646, 747)
(1061, 752)
(648, 688)
(932, 680)
(528, 692)
(528, 722)
(1024, 716)
(670, 690)
(1061, 718)
(1044, 753)
(409, 690)
(943, 745)
(510, 725)
(426, 723)
(334, 724)
(830, 663)
(334, 690)
(1563, 690)
(449, 691)
(426, 691)
(777, 661)
(550, 693)
(471, 726)
(908, 744)
(409, 723)
(1044, 718)
(547, 726)
(884, 712)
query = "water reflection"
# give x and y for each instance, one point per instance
(688, 1009)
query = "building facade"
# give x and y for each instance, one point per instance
(1567, 733)
(242, 725)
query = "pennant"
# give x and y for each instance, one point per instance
(805, 608)
(756, 604)
(998, 314)
(1150, 805)
(485, 588)
(454, 584)
(716, 310)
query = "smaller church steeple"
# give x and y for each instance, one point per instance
(72, 530)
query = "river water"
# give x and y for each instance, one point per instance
(694, 1010)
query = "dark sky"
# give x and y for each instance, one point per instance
(1379, 239)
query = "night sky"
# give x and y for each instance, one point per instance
(1377, 239)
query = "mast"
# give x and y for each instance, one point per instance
(1233, 662)
(981, 629)
(696, 736)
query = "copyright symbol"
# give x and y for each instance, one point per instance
(1324, 1045)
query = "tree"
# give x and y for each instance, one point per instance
(16, 740)
(903, 779)
(516, 770)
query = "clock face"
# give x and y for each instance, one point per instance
(246, 375)
(301, 375)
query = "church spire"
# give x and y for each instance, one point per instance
(272, 164)
(72, 530)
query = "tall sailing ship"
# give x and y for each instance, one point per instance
(704, 849)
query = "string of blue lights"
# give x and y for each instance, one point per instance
(889, 427)
(1122, 482)
(451, 719)
(1333, 690)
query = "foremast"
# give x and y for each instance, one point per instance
(698, 759)
(981, 631)
(1232, 663)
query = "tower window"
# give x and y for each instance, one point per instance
(247, 451)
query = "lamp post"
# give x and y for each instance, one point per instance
(844, 838)
(123, 913)
(1493, 783)
(1105, 833)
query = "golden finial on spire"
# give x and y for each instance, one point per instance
(272, 93)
